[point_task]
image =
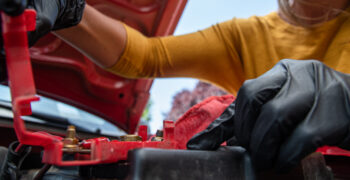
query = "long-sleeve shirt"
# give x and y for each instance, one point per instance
(228, 53)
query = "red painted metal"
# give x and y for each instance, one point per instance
(64, 74)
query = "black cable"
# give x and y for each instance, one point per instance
(42, 172)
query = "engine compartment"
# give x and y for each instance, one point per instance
(47, 155)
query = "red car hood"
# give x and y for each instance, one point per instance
(64, 74)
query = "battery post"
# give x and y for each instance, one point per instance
(71, 142)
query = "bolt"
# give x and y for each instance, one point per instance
(71, 141)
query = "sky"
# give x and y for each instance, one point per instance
(200, 14)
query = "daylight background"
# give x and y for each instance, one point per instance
(200, 14)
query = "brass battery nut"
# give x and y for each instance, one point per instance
(130, 137)
(71, 142)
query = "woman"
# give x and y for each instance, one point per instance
(279, 117)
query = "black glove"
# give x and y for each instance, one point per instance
(285, 114)
(54, 15)
(51, 14)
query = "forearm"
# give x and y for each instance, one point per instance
(99, 37)
(128, 53)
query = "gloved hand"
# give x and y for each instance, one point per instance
(285, 114)
(51, 15)
(54, 15)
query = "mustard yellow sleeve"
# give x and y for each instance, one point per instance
(210, 55)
